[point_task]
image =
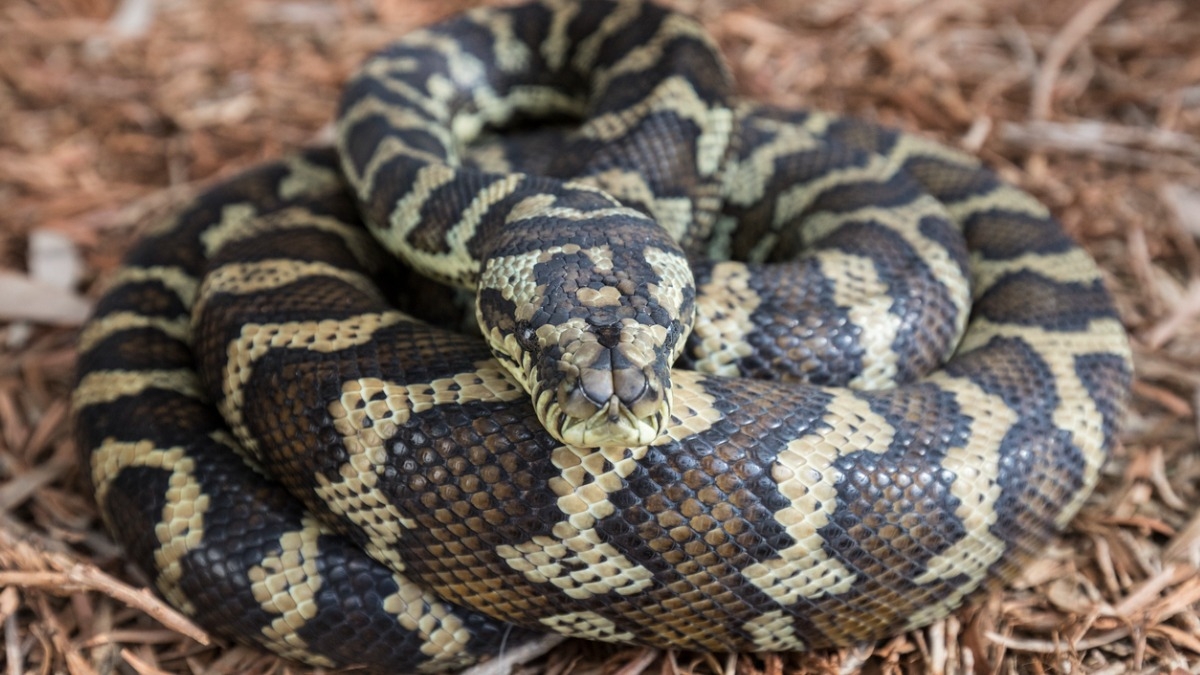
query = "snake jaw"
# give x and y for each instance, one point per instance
(613, 424)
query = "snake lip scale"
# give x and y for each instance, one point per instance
(740, 378)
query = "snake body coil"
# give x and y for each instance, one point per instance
(904, 388)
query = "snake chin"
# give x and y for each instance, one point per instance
(613, 425)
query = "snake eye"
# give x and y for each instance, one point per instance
(526, 337)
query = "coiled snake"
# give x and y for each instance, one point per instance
(906, 387)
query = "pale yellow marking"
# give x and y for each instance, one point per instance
(554, 48)
(1077, 412)
(583, 487)
(905, 222)
(1004, 198)
(466, 74)
(180, 529)
(586, 625)
(529, 207)
(230, 231)
(455, 266)
(907, 145)
(469, 124)
(544, 206)
(674, 276)
(443, 634)
(117, 322)
(692, 408)
(855, 276)
(1072, 266)
(245, 278)
(106, 386)
(911, 145)
(326, 336)
(774, 632)
(857, 286)
(462, 231)
(391, 73)
(649, 53)
(367, 416)
(466, 70)
(600, 256)
(724, 307)
(976, 469)
(805, 474)
(305, 178)
(720, 242)
(678, 95)
(509, 54)
(746, 181)
(454, 128)
(607, 296)
(391, 147)
(466, 125)
(800, 197)
(673, 214)
(357, 499)
(588, 49)
(513, 276)
(286, 585)
(791, 202)
(600, 567)
(235, 218)
(491, 158)
(520, 366)
(370, 409)
(541, 101)
(174, 279)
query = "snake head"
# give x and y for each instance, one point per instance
(591, 333)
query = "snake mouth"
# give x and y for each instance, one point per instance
(613, 424)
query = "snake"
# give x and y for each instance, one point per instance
(564, 336)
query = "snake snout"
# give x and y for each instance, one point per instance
(599, 387)
(614, 399)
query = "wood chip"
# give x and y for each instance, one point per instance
(25, 299)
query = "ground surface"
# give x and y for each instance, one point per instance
(112, 112)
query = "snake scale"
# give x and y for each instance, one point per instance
(753, 379)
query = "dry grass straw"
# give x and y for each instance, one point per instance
(114, 111)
